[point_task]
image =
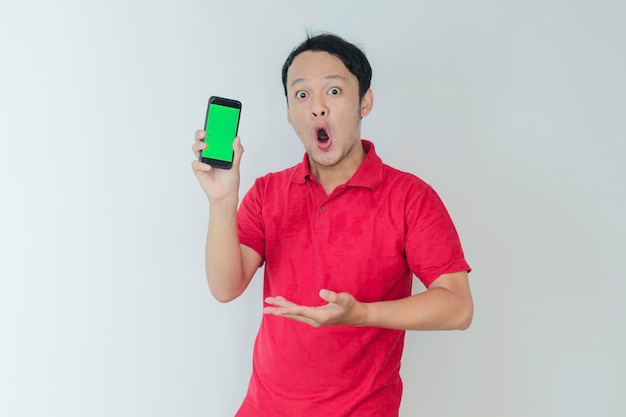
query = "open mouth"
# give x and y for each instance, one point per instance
(322, 135)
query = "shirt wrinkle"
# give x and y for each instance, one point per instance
(367, 243)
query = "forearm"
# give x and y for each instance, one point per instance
(435, 309)
(224, 267)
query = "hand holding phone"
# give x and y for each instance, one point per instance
(221, 125)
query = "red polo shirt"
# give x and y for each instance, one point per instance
(368, 238)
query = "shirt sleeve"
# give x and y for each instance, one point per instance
(432, 246)
(250, 224)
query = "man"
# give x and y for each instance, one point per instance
(341, 235)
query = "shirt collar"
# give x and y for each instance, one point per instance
(369, 174)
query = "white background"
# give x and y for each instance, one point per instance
(514, 111)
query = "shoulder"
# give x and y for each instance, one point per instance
(383, 177)
(280, 178)
(409, 194)
(278, 182)
(401, 181)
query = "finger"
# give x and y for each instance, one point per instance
(199, 135)
(277, 311)
(305, 320)
(280, 311)
(199, 167)
(302, 319)
(197, 147)
(294, 313)
(280, 302)
(238, 148)
(329, 296)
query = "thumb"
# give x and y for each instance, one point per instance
(238, 152)
(329, 296)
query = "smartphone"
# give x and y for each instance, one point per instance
(221, 125)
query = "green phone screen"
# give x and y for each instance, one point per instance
(221, 128)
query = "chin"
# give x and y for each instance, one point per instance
(326, 159)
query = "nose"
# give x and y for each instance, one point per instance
(319, 108)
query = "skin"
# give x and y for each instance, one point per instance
(321, 92)
(229, 265)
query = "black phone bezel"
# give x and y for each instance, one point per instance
(227, 102)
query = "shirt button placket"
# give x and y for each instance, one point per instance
(320, 221)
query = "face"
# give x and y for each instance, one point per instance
(324, 108)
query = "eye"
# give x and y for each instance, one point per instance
(301, 94)
(334, 91)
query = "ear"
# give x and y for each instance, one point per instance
(367, 102)
(288, 115)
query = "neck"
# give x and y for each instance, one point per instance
(330, 177)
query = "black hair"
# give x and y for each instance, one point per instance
(352, 57)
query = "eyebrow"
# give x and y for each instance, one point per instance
(328, 77)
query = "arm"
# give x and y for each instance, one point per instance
(229, 265)
(446, 305)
